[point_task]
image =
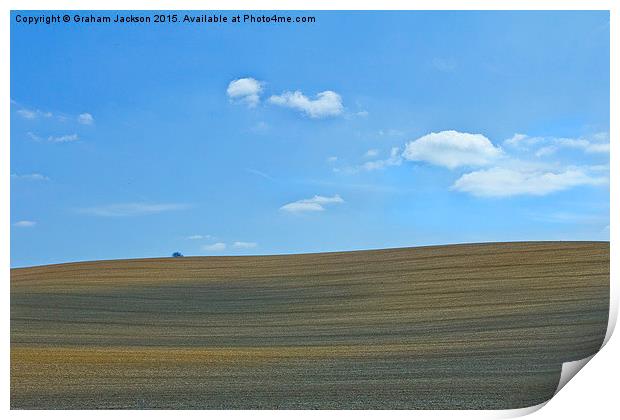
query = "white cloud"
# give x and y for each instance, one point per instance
(31, 114)
(131, 209)
(505, 182)
(598, 148)
(371, 153)
(597, 143)
(581, 143)
(326, 104)
(27, 113)
(67, 138)
(33, 136)
(316, 203)
(24, 224)
(362, 113)
(246, 90)
(518, 139)
(198, 237)
(32, 177)
(244, 245)
(218, 246)
(395, 159)
(332, 159)
(86, 119)
(546, 150)
(452, 149)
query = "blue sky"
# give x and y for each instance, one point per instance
(362, 130)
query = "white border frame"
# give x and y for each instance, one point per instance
(592, 394)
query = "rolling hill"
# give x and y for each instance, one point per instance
(442, 327)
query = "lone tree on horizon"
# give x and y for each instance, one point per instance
(177, 254)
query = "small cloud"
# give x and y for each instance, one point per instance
(244, 245)
(31, 177)
(25, 224)
(316, 203)
(332, 159)
(597, 143)
(218, 246)
(86, 119)
(28, 114)
(506, 182)
(362, 113)
(371, 153)
(452, 149)
(67, 138)
(394, 159)
(32, 114)
(33, 136)
(131, 209)
(518, 139)
(246, 90)
(198, 237)
(326, 104)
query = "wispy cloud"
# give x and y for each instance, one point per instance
(244, 245)
(316, 203)
(259, 173)
(25, 224)
(394, 159)
(326, 104)
(218, 246)
(32, 136)
(67, 138)
(246, 90)
(31, 177)
(30, 113)
(33, 114)
(131, 209)
(199, 237)
(506, 182)
(597, 143)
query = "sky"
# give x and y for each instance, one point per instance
(363, 130)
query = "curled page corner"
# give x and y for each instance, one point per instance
(613, 317)
(569, 370)
(518, 412)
